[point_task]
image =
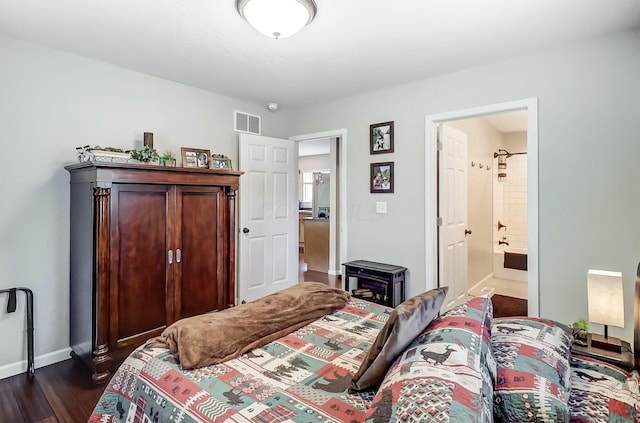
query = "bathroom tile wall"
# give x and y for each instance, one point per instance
(510, 195)
(515, 201)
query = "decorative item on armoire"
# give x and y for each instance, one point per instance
(168, 159)
(148, 139)
(195, 157)
(147, 155)
(220, 161)
(103, 154)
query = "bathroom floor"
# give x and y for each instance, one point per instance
(500, 286)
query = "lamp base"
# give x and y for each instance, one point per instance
(608, 343)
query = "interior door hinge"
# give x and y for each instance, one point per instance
(439, 221)
(439, 145)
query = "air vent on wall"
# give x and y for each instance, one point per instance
(244, 122)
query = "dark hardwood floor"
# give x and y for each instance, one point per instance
(312, 276)
(60, 393)
(64, 393)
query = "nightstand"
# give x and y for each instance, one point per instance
(623, 360)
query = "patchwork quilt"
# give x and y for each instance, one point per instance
(533, 377)
(302, 377)
(602, 393)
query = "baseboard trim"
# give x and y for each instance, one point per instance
(18, 367)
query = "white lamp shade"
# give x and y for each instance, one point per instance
(606, 297)
(277, 18)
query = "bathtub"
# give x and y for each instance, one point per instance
(516, 259)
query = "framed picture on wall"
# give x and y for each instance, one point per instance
(381, 138)
(195, 157)
(382, 176)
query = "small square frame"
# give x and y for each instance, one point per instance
(220, 163)
(381, 138)
(195, 157)
(377, 182)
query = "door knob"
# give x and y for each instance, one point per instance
(467, 232)
(245, 230)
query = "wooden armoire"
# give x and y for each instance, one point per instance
(149, 246)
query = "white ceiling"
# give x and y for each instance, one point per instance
(352, 46)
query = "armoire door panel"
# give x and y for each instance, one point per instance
(139, 245)
(200, 231)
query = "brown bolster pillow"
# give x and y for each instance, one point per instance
(220, 336)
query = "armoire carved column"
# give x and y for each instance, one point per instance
(101, 359)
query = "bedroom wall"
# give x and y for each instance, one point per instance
(52, 102)
(588, 164)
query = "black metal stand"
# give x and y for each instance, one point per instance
(11, 307)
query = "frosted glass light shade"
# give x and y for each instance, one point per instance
(606, 297)
(277, 18)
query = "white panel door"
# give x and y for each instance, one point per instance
(452, 196)
(268, 202)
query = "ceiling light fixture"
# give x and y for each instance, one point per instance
(277, 18)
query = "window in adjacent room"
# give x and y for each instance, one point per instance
(307, 187)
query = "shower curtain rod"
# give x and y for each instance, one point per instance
(506, 153)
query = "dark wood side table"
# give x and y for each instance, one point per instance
(623, 360)
(384, 281)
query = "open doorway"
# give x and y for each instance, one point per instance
(492, 158)
(496, 196)
(314, 211)
(321, 212)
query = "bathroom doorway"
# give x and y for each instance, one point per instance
(497, 203)
(483, 181)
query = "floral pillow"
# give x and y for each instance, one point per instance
(533, 374)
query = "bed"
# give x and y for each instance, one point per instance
(299, 377)
(463, 366)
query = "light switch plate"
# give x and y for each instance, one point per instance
(381, 206)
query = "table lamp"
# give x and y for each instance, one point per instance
(606, 306)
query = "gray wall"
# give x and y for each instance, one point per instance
(588, 171)
(51, 102)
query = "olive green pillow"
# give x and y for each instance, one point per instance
(406, 322)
